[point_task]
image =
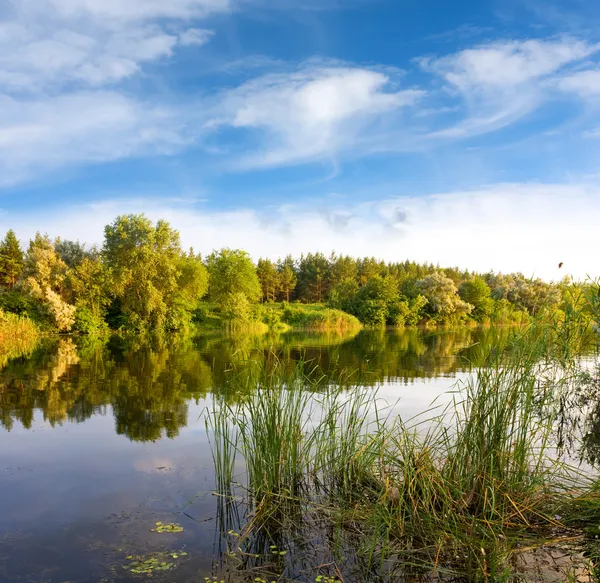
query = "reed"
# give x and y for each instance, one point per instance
(453, 491)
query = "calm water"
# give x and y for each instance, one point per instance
(100, 440)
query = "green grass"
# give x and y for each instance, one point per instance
(456, 490)
(317, 317)
(18, 336)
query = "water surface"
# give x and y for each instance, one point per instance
(99, 440)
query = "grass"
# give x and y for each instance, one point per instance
(18, 336)
(453, 492)
(316, 317)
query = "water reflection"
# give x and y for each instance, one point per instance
(147, 383)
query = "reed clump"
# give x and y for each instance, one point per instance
(455, 490)
(18, 336)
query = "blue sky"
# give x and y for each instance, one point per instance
(463, 133)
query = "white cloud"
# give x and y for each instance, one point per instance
(48, 43)
(195, 37)
(512, 227)
(313, 113)
(583, 83)
(504, 81)
(507, 64)
(57, 58)
(80, 127)
(129, 10)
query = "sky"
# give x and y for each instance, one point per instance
(461, 133)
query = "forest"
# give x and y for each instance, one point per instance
(142, 279)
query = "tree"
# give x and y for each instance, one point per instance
(477, 293)
(312, 277)
(43, 278)
(269, 278)
(90, 284)
(341, 269)
(444, 305)
(11, 260)
(369, 267)
(373, 302)
(73, 252)
(150, 273)
(232, 276)
(287, 276)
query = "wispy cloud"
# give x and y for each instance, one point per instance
(312, 113)
(98, 126)
(507, 64)
(506, 227)
(50, 43)
(501, 82)
(585, 83)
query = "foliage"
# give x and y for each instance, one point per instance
(18, 336)
(169, 527)
(287, 277)
(476, 292)
(444, 305)
(373, 302)
(11, 260)
(321, 318)
(44, 275)
(142, 280)
(150, 275)
(456, 492)
(232, 277)
(270, 279)
(73, 253)
(312, 277)
(152, 563)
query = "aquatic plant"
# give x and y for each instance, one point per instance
(455, 490)
(167, 527)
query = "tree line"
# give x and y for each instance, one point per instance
(141, 278)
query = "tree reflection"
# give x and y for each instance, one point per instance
(147, 383)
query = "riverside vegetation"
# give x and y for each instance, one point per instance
(141, 279)
(459, 493)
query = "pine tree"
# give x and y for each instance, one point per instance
(11, 260)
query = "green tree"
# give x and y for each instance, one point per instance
(11, 260)
(342, 268)
(150, 273)
(369, 267)
(43, 278)
(73, 252)
(270, 280)
(233, 281)
(374, 301)
(476, 292)
(312, 277)
(287, 277)
(444, 305)
(90, 284)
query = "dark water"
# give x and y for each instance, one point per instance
(99, 440)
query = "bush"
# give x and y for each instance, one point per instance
(15, 302)
(86, 322)
(319, 319)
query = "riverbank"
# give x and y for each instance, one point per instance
(279, 316)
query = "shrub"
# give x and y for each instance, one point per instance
(86, 322)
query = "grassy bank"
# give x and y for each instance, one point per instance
(458, 492)
(279, 316)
